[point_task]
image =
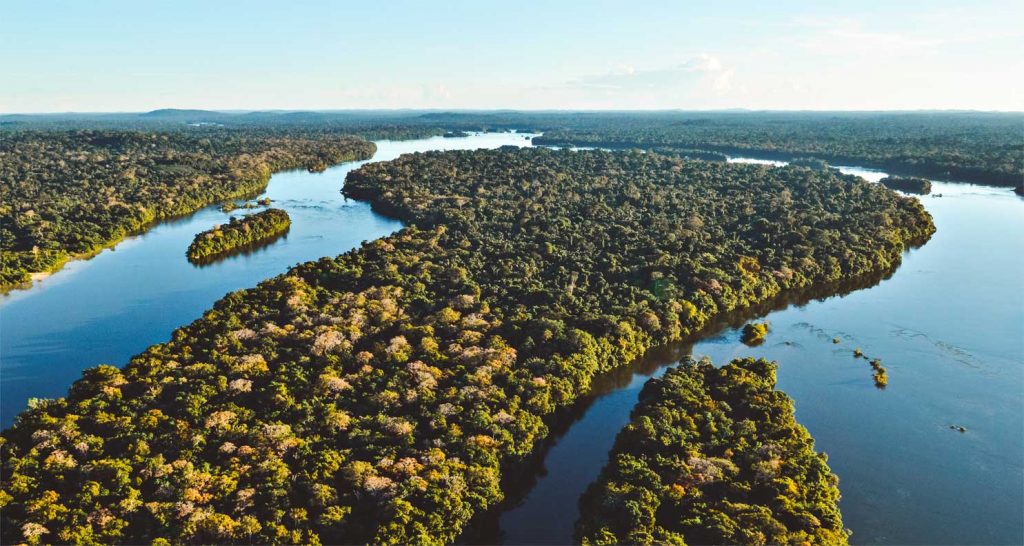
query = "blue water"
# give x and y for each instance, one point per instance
(948, 325)
(115, 305)
(949, 328)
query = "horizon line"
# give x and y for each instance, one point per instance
(242, 111)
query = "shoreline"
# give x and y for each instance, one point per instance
(37, 277)
(520, 476)
(778, 155)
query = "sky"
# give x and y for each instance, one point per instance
(132, 55)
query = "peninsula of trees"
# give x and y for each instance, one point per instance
(238, 234)
(713, 456)
(72, 193)
(377, 396)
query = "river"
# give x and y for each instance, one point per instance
(109, 308)
(948, 326)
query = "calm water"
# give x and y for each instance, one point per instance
(109, 308)
(948, 326)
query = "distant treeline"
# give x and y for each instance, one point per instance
(377, 396)
(237, 234)
(71, 193)
(985, 148)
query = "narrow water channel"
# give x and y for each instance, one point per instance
(948, 326)
(109, 308)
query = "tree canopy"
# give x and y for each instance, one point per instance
(72, 193)
(260, 227)
(713, 456)
(978, 147)
(376, 396)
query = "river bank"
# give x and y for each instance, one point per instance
(902, 473)
(110, 307)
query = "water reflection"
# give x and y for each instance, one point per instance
(542, 491)
(948, 326)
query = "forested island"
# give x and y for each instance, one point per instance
(688, 153)
(909, 184)
(713, 456)
(811, 163)
(67, 194)
(376, 396)
(237, 234)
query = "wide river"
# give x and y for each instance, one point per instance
(109, 308)
(948, 326)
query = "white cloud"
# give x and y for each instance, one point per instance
(624, 76)
(849, 36)
(702, 80)
(701, 63)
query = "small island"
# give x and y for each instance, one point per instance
(812, 163)
(690, 153)
(908, 184)
(237, 234)
(754, 333)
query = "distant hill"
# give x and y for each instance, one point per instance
(179, 113)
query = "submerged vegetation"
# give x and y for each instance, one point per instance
(232, 205)
(376, 396)
(72, 193)
(713, 456)
(224, 239)
(907, 184)
(880, 375)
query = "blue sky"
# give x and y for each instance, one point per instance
(106, 55)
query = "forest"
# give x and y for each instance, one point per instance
(909, 184)
(376, 396)
(982, 148)
(237, 234)
(67, 194)
(713, 456)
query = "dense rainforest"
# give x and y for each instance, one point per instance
(238, 234)
(70, 193)
(984, 148)
(376, 396)
(713, 456)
